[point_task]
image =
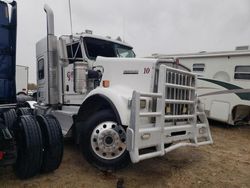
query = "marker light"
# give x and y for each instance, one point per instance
(105, 83)
(1, 155)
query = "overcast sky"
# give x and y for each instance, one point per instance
(150, 26)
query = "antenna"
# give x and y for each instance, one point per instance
(123, 28)
(70, 18)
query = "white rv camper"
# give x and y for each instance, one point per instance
(223, 82)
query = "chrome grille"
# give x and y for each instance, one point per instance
(179, 95)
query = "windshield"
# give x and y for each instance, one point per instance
(124, 51)
(97, 47)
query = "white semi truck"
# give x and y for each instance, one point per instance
(117, 107)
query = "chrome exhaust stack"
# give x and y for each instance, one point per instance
(50, 20)
(47, 64)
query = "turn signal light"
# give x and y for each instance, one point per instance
(105, 83)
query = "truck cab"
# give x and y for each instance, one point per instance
(83, 47)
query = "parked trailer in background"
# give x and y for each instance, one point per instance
(22, 78)
(223, 82)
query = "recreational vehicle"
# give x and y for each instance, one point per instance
(223, 82)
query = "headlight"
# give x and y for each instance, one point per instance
(202, 130)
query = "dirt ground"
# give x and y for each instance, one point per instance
(226, 163)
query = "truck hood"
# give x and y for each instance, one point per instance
(134, 73)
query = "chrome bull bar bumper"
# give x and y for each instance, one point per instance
(175, 122)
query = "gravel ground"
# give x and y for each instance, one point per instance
(226, 163)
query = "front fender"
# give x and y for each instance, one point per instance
(119, 96)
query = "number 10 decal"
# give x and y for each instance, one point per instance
(146, 70)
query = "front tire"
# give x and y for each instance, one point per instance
(103, 142)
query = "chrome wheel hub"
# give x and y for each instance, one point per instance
(108, 140)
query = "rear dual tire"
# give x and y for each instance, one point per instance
(9, 118)
(39, 145)
(24, 111)
(11, 115)
(52, 142)
(29, 147)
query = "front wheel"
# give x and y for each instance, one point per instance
(103, 142)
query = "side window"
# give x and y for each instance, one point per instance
(74, 52)
(198, 67)
(41, 69)
(242, 72)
